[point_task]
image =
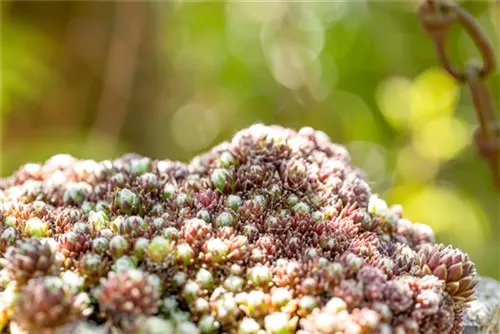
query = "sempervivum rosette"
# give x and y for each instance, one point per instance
(27, 259)
(272, 232)
(127, 294)
(47, 303)
(453, 267)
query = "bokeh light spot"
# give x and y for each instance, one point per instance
(433, 93)
(462, 220)
(242, 36)
(260, 11)
(393, 99)
(369, 157)
(352, 109)
(411, 166)
(441, 138)
(306, 34)
(290, 65)
(194, 127)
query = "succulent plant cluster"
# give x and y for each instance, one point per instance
(274, 232)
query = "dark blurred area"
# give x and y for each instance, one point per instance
(170, 79)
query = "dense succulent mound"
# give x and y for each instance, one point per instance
(273, 232)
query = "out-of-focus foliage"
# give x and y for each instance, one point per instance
(170, 79)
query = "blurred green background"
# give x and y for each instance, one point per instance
(170, 79)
